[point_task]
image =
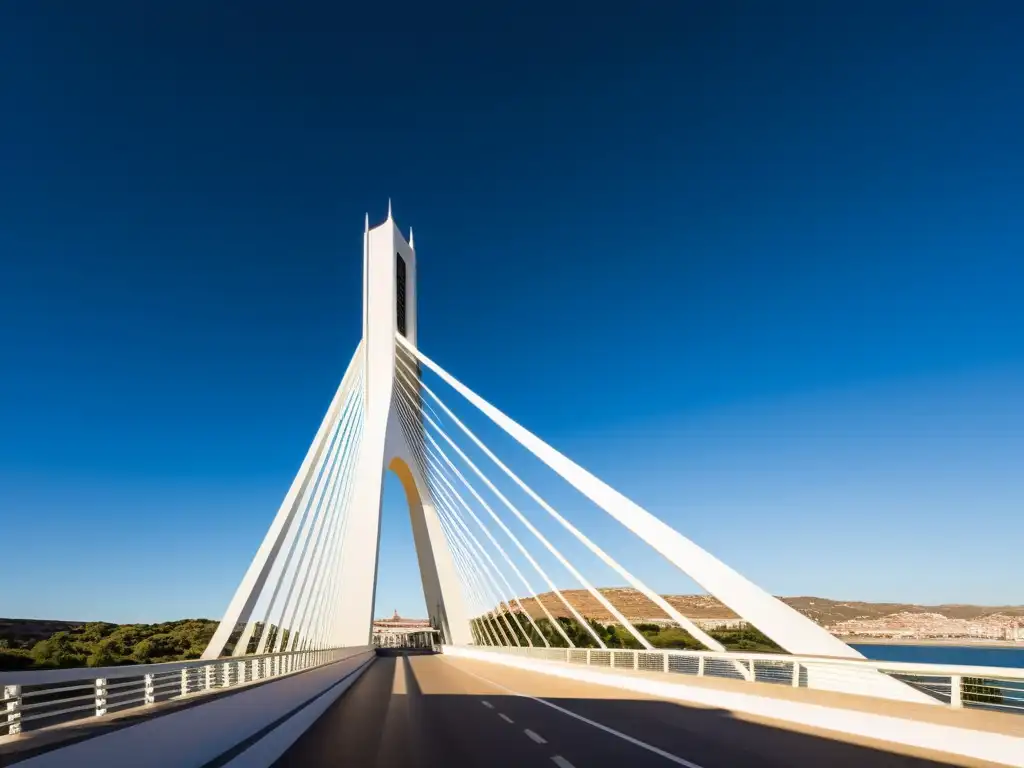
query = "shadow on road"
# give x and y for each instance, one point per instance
(413, 710)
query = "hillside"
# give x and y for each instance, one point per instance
(828, 612)
(26, 643)
(24, 633)
(822, 610)
(37, 643)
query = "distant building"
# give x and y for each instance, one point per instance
(396, 623)
(708, 624)
(399, 632)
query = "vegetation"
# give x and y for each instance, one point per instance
(99, 644)
(974, 690)
(615, 636)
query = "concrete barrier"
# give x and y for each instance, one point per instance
(229, 730)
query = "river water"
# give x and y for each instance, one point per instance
(946, 654)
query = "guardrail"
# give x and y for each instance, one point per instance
(993, 688)
(38, 699)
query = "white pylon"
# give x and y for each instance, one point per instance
(389, 307)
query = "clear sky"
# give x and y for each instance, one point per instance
(757, 265)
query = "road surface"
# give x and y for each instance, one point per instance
(422, 711)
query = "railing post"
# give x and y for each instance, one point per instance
(588, 657)
(700, 665)
(101, 696)
(664, 656)
(226, 674)
(753, 676)
(13, 695)
(241, 672)
(636, 659)
(150, 696)
(184, 681)
(796, 674)
(208, 669)
(956, 699)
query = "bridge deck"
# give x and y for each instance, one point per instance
(975, 719)
(419, 711)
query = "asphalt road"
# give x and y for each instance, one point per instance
(426, 711)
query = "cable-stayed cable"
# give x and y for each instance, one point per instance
(683, 621)
(537, 534)
(515, 540)
(787, 626)
(304, 567)
(286, 577)
(434, 491)
(309, 617)
(470, 554)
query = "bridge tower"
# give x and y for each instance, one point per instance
(315, 574)
(385, 444)
(390, 307)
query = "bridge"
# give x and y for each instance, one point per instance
(293, 675)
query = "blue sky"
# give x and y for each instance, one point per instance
(759, 270)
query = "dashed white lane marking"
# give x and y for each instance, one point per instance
(642, 744)
(561, 762)
(487, 704)
(535, 736)
(506, 718)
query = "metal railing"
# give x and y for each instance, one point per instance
(38, 699)
(992, 688)
(398, 640)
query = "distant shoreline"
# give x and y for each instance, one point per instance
(961, 642)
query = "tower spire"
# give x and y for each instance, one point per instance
(412, 243)
(389, 209)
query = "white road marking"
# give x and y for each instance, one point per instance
(487, 704)
(398, 684)
(642, 744)
(561, 762)
(535, 736)
(506, 718)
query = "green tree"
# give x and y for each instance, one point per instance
(57, 651)
(145, 651)
(975, 690)
(103, 655)
(13, 660)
